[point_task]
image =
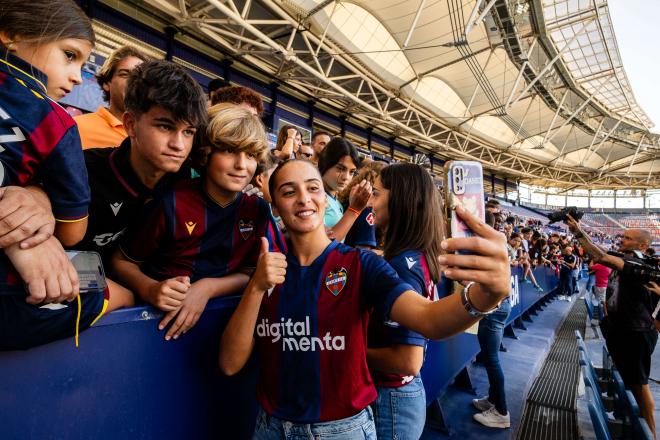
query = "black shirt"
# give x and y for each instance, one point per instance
(118, 196)
(568, 259)
(629, 305)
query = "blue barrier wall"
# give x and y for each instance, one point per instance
(126, 381)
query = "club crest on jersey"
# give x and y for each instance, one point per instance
(190, 226)
(335, 281)
(370, 219)
(245, 227)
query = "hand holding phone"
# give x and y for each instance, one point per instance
(463, 187)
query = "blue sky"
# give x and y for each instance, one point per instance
(637, 30)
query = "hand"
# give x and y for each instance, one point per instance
(653, 287)
(572, 224)
(252, 190)
(188, 314)
(488, 265)
(168, 295)
(330, 233)
(47, 272)
(360, 195)
(22, 219)
(291, 133)
(271, 268)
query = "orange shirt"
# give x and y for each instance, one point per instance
(100, 129)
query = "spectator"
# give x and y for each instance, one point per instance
(567, 264)
(305, 152)
(338, 164)
(241, 96)
(105, 127)
(214, 85)
(288, 142)
(262, 175)
(217, 229)
(628, 326)
(601, 275)
(164, 109)
(319, 140)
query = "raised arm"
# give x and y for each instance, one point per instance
(598, 254)
(357, 201)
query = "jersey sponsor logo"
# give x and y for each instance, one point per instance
(116, 207)
(107, 238)
(190, 226)
(410, 261)
(297, 336)
(370, 219)
(335, 281)
(245, 227)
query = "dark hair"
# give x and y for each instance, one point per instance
(320, 133)
(44, 21)
(238, 95)
(282, 135)
(167, 85)
(334, 151)
(492, 203)
(107, 71)
(416, 220)
(489, 219)
(215, 84)
(269, 162)
(516, 235)
(526, 230)
(273, 176)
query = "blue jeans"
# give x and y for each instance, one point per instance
(358, 427)
(400, 413)
(591, 282)
(565, 282)
(491, 330)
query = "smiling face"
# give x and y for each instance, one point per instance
(298, 197)
(61, 60)
(230, 172)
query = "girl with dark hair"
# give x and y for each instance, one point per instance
(43, 46)
(307, 314)
(289, 140)
(408, 210)
(338, 164)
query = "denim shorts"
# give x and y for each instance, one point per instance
(358, 427)
(400, 413)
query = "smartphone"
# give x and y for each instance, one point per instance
(464, 185)
(90, 270)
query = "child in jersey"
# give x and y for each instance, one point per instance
(201, 237)
(338, 164)
(307, 314)
(363, 232)
(42, 50)
(411, 245)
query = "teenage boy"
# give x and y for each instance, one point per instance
(200, 238)
(105, 127)
(164, 107)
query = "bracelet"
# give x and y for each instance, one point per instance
(350, 208)
(469, 307)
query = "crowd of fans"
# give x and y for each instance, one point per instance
(183, 199)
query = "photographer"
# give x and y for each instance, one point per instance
(628, 326)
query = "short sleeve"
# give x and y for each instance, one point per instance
(363, 231)
(64, 177)
(142, 238)
(380, 283)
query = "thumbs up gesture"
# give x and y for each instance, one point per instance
(271, 268)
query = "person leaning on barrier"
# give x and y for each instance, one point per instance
(628, 326)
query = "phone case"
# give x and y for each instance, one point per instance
(463, 186)
(90, 270)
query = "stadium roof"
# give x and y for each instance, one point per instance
(534, 89)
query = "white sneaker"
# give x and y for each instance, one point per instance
(482, 404)
(595, 322)
(561, 297)
(493, 419)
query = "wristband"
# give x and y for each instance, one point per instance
(469, 307)
(350, 208)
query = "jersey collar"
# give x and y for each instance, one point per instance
(16, 67)
(105, 114)
(319, 260)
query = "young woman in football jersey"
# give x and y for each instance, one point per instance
(408, 211)
(338, 164)
(307, 313)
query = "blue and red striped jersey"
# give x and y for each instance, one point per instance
(184, 232)
(411, 266)
(363, 231)
(311, 334)
(39, 144)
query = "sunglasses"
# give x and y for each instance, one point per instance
(306, 155)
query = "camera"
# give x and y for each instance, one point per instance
(560, 215)
(648, 269)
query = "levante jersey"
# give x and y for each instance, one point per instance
(311, 334)
(118, 196)
(39, 144)
(411, 266)
(187, 233)
(363, 231)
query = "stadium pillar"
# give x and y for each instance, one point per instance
(506, 189)
(273, 105)
(170, 32)
(342, 125)
(589, 199)
(370, 131)
(310, 119)
(392, 147)
(492, 184)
